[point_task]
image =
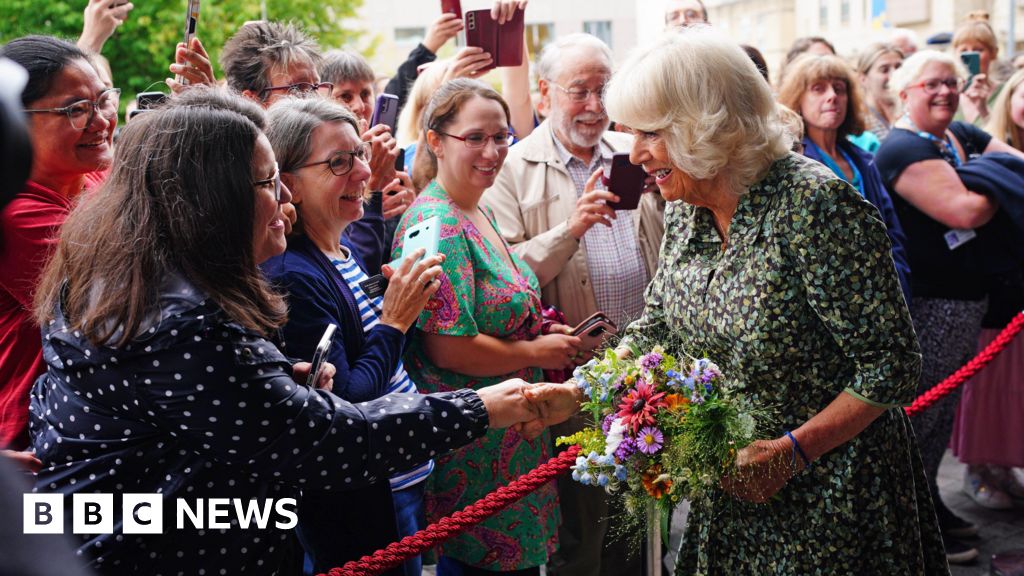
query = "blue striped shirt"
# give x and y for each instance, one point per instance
(369, 314)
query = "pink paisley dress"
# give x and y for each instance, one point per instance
(481, 294)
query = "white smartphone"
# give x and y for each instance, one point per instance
(320, 355)
(426, 235)
(191, 21)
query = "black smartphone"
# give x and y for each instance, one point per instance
(149, 100)
(320, 355)
(972, 60)
(625, 180)
(386, 111)
(400, 161)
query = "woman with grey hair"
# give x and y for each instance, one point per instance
(325, 165)
(951, 245)
(779, 271)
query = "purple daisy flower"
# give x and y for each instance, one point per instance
(649, 440)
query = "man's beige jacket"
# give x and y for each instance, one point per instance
(532, 200)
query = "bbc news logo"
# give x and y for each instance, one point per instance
(144, 513)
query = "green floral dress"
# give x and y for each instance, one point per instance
(481, 294)
(802, 305)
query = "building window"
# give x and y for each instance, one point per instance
(822, 13)
(410, 35)
(602, 29)
(844, 11)
(538, 36)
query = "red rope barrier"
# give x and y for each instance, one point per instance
(964, 374)
(431, 536)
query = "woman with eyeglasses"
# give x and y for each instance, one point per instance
(72, 116)
(482, 325)
(326, 166)
(163, 371)
(948, 245)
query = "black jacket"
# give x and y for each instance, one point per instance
(199, 407)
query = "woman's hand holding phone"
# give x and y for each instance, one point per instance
(193, 64)
(503, 10)
(554, 351)
(409, 289)
(398, 196)
(300, 373)
(470, 62)
(102, 17)
(383, 152)
(446, 27)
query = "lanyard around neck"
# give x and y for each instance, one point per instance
(944, 142)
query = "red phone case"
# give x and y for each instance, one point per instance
(452, 7)
(626, 181)
(504, 43)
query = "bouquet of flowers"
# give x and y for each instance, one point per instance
(664, 428)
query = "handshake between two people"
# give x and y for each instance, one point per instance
(529, 408)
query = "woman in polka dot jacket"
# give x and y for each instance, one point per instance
(161, 374)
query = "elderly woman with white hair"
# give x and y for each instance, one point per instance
(781, 272)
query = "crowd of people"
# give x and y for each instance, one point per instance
(839, 241)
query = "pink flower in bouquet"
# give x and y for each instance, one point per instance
(640, 405)
(649, 440)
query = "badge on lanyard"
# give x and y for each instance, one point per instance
(959, 237)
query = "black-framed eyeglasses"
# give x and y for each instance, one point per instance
(342, 161)
(274, 180)
(479, 139)
(82, 112)
(582, 95)
(322, 88)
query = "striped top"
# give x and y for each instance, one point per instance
(369, 313)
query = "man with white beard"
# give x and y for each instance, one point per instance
(550, 206)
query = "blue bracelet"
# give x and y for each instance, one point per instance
(798, 450)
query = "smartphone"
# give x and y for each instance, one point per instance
(149, 100)
(386, 111)
(426, 235)
(146, 101)
(320, 355)
(626, 180)
(594, 329)
(595, 325)
(452, 7)
(504, 43)
(400, 161)
(191, 21)
(972, 60)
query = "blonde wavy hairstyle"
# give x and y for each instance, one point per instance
(703, 94)
(1000, 123)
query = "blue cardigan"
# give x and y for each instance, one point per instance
(875, 192)
(337, 527)
(317, 296)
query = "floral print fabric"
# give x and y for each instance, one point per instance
(481, 294)
(802, 304)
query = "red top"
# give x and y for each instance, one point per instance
(29, 226)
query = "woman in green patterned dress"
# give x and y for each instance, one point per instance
(483, 325)
(782, 274)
